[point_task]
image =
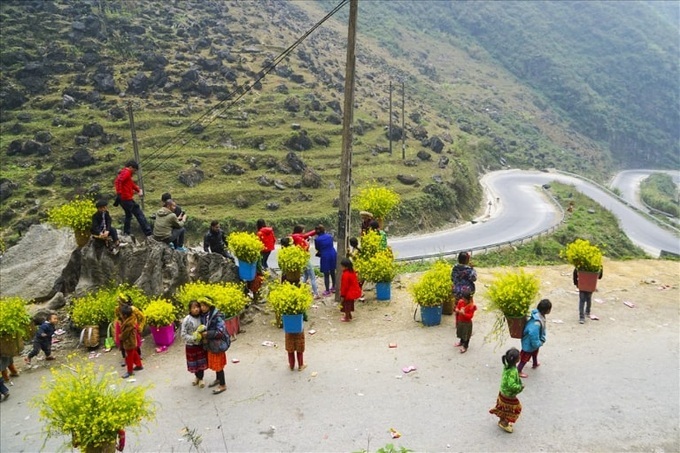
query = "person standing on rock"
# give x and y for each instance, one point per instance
(125, 192)
(268, 239)
(168, 227)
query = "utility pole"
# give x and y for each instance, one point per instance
(390, 132)
(403, 124)
(136, 150)
(346, 161)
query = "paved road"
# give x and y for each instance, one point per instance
(628, 182)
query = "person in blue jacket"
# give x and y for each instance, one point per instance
(534, 336)
(325, 250)
(43, 339)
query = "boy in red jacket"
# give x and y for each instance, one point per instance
(465, 311)
(349, 289)
(125, 192)
(266, 235)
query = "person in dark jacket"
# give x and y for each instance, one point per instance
(215, 338)
(585, 298)
(101, 225)
(463, 276)
(215, 241)
(43, 339)
(125, 192)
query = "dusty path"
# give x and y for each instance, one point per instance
(608, 385)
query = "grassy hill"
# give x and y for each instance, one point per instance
(231, 148)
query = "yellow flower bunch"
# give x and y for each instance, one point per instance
(434, 287)
(100, 306)
(378, 200)
(160, 313)
(229, 298)
(293, 259)
(370, 244)
(513, 293)
(90, 404)
(245, 246)
(288, 299)
(583, 255)
(14, 317)
(76, 214)
(379, 268)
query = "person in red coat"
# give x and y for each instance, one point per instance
(125, 192)
(465, 311)
(349, 289)
(266, 235)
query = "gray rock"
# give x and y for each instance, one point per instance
(279, 184)
(57, 301)
(395, 133)
(443, 162)
(30, 268)
(408, 180)
(241, 202)
(43, 136)
(7, 188)
(30, 147)
(295, 163)
(105, 83)
(292, 104)
(81, 158)
(68, 101)
(233, 169)
(436, 144)
(45, 178)
(420, 133)
(93, 130)
(264, 181)
(423, 155)
(311, 179)
(14, 147)
(272, 206)
(191, 177)
(81, 140)
(138, 84)
(299, 141)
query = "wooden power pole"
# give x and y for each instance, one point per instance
(390, 132)
(136, 150)
(403, 124)
(346, 162)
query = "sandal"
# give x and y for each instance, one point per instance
(507, 428)
(523, 375)
(195, 381)
(201, 384)
(536, 366)
(219, 390)
(302, 367)
(214, 383)
(463, 350)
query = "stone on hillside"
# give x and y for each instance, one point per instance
(311, 179)
(209, 64)
(117, 113)
(334, 119)
(7, 188)
(68, 101)
(283, 89)
(30, 147)
(297, 78)
(233, 169)
(105, 83)
(273, 206)
(241, 202)
(335, 106)
(321, 140)
(14, 147)
(81, 158)
(92, 130)
(410, 163)
(81, 140)
(196, 128)
(395, 133)
(138, 84)
(436, 144)
(408, 180)
(11, 98)
(43, 136)
(56, 302)
(153, 61)
(423, 155)
(420, 133)
(30, 268)
(443, 162)
(279, 185)
(299, 141)
(292, 104)
(191, 177)
(45, 178)
(295, 163)
(264, 181)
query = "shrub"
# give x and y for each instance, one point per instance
(229, 298)
(245, 246)
(378, 200)
(293, 259)
(160, 313)
(583, 255)
(434, 287)
(370, 244)
(379, 268)
(513, 293)
(89, 404)
(14, 318)
(100, 306)
(76, 214)
(288, 299)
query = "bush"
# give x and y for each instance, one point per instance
(370, 244)
(583, 255)
(89, 404)
(378, 200)
(293, 259)
(245, 246)
(160, 313)
(288, 299)
(434, 287)
(76, 214)
(100, 306)
(379, 268)
(14, 318)
(229, 298)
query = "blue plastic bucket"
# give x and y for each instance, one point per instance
(383, 290)
(292, 323)
(247, 271)
(431, 316)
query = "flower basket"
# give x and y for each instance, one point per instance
(88, 403)
(15, 325)
(11, 345)
(379, 268)
(76, 214)
(82, 238)
(247, 271)
(447, 307)
(229, 298)
(434, 287)
(587, 281)
(246, 247)
(160, 313)
(377, 199)
(89, 336)
(516, 326)
(288, 299)
(583, 255)
(293, 260)
(511, 295)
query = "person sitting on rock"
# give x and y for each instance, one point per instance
(165, 197)
(168, 227)
(215, 241)
(102, 228)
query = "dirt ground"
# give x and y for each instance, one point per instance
(609, 385)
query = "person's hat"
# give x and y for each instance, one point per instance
(365, 214)
(101, 203)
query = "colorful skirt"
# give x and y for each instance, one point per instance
(197, 359)
(295, 342)
(507, 408)
(216, 360)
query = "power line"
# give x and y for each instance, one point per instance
(213, 113)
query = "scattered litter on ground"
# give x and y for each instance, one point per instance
(59, 332)
(594, 318)
(629, 304)
(268, 343)
(394, 433)
(56, 340)
(314, 374)
(360, 394)
(662, 287)
(312, 332)
(408, 369)
(235, 360)
(131, 380)
(399, 376)
(393, 345)
(558, 321)
(599, 301)
(612, 319)
(161, 349)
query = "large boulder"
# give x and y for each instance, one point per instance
(311, 179)
(191, 177)
(436, 144)
(30, 268)
(138, 84)
(295, 163)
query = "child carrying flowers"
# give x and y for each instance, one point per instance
(129, 341)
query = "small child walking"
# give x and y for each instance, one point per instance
(295, 347)
(349, 289)
(43, 339)
(197, 360)
(465, 311)
(534, 336)
(508, 406)
(129, 341)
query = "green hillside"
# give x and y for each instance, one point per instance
(233, 145)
